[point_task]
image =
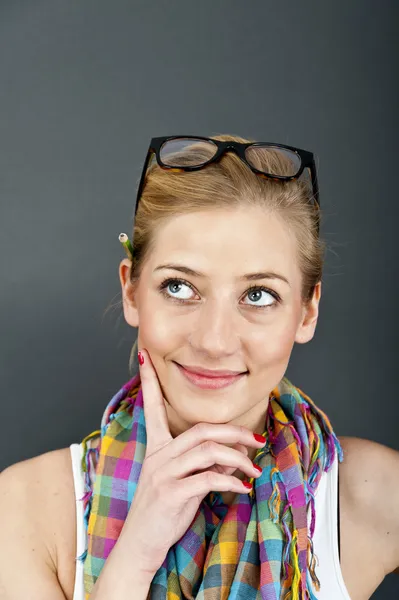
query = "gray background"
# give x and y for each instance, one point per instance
(83, 88)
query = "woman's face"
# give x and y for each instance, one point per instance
(212, 319)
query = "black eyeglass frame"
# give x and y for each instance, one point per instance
(306, 157)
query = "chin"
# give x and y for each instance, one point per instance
(197, 407)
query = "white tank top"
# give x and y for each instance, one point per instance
(325, 540)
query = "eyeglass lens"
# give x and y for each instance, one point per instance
(273, 160)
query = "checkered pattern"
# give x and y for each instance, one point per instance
(259, 548)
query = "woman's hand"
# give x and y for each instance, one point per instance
(177, 473)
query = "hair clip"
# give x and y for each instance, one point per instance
(124, 240)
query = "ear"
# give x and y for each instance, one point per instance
(128, 293)
(310, 313)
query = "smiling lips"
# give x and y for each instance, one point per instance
(209, 379)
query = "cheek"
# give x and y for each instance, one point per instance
(157, 332)
(272, 344)
(270, 350)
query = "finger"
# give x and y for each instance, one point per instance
(227, 470)
(241, 448)
(230, 470)
(218, 432)
(210, 457)
(156, 421)
(200, 484)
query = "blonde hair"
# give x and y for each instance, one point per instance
(229, 183)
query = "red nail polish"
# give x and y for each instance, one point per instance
(257, 467)
(141, 358)
(260, 438)
(247, 485)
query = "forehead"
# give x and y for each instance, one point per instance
(234, 241)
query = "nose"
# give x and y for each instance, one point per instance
(216, 330)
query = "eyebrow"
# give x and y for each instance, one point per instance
(247, 277)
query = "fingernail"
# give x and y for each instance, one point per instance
(141, 358)
(257, 467)
(260, 438)
(247, 485)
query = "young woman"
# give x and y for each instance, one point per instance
(212, 475)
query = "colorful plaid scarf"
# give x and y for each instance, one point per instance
(257, 548)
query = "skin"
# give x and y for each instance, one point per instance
(219, 329)
(220, 325)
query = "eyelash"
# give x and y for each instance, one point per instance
(162, 287)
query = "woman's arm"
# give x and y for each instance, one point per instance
(37, 540)
(121, 580)
(370, 476)
(26, 567)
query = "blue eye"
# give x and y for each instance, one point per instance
(172, 286)
(175, 283)
(257, 291)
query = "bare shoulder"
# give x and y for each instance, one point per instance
(37, 518)
(369, 475)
